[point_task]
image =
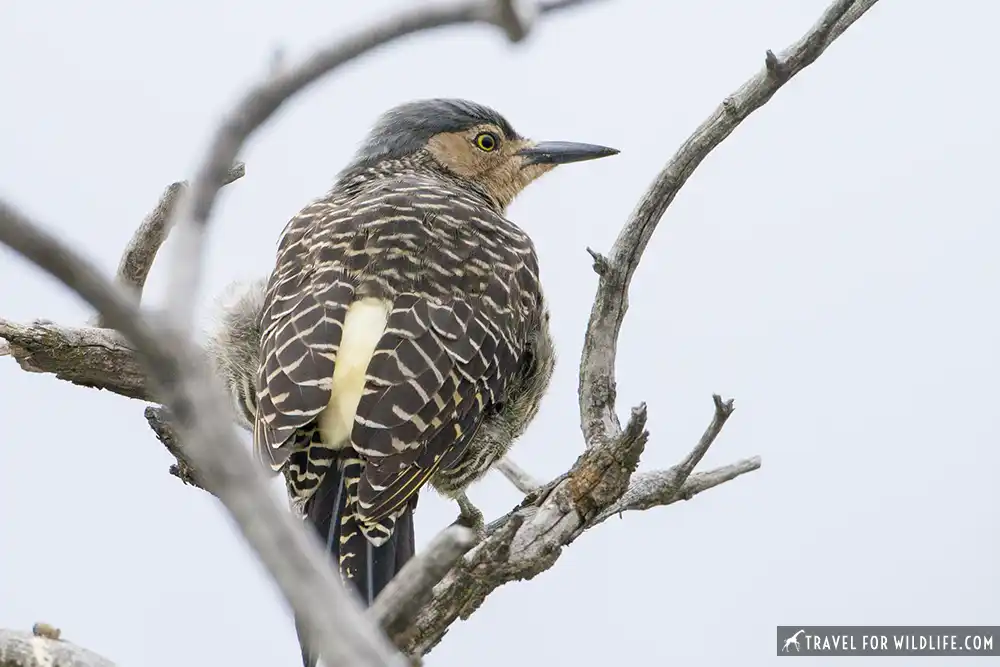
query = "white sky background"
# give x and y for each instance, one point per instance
(833, 266)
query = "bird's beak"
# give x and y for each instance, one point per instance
(563, 152)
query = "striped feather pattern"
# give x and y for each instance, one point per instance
(462, 284)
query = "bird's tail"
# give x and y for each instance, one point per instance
(331, 513)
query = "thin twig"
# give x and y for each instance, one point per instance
(517, 476)
(658, 488)
(137, 259)
(723, 410)
(87, 356)
(158, 419)
(662, 487)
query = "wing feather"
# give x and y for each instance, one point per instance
(462, 283)
(403, 453)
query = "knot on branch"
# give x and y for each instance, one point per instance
(601, 475)
(776, 68)
(601, 263)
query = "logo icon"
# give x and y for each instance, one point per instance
(793, 641)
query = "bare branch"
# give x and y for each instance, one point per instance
(158, 419)
(90, 357)
(723, 410)
(261, 102)
(518, 476)
(137, 260)
(43, 648)
(153, 231)
(292, 555)
(658, 488)
(514, 17)
(597, 368)
(663, 487)
(410, 589)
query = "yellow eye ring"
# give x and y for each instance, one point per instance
(486, 141)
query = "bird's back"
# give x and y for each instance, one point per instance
(459, 287)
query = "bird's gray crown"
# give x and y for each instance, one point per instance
(405, 129)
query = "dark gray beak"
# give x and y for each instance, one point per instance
(563, 152)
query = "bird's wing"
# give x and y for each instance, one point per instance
(437, 369)
(304, 309)
(453, 341)
(463, 289)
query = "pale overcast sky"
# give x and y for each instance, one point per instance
(833, 266)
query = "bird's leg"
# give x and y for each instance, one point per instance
(470, 516)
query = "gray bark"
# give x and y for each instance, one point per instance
(34, 649)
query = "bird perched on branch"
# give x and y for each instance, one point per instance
(403, 333)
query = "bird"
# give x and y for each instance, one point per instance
(402, 336)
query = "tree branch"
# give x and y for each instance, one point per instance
(43, 648)
(518, 476)
(137, 259)
(158, 419)
(664, 487)
(529, 540)
(658, 488)
(87, 356)
(405, 594)
(597, 367)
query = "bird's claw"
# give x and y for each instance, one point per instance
(471, 517)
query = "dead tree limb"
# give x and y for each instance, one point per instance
(43, 647)
(137, 260)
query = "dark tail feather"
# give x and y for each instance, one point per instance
(371, 567)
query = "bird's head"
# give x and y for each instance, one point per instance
(472, 142)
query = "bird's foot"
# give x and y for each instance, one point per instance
(470, 516)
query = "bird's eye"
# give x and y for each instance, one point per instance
(486, 141)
